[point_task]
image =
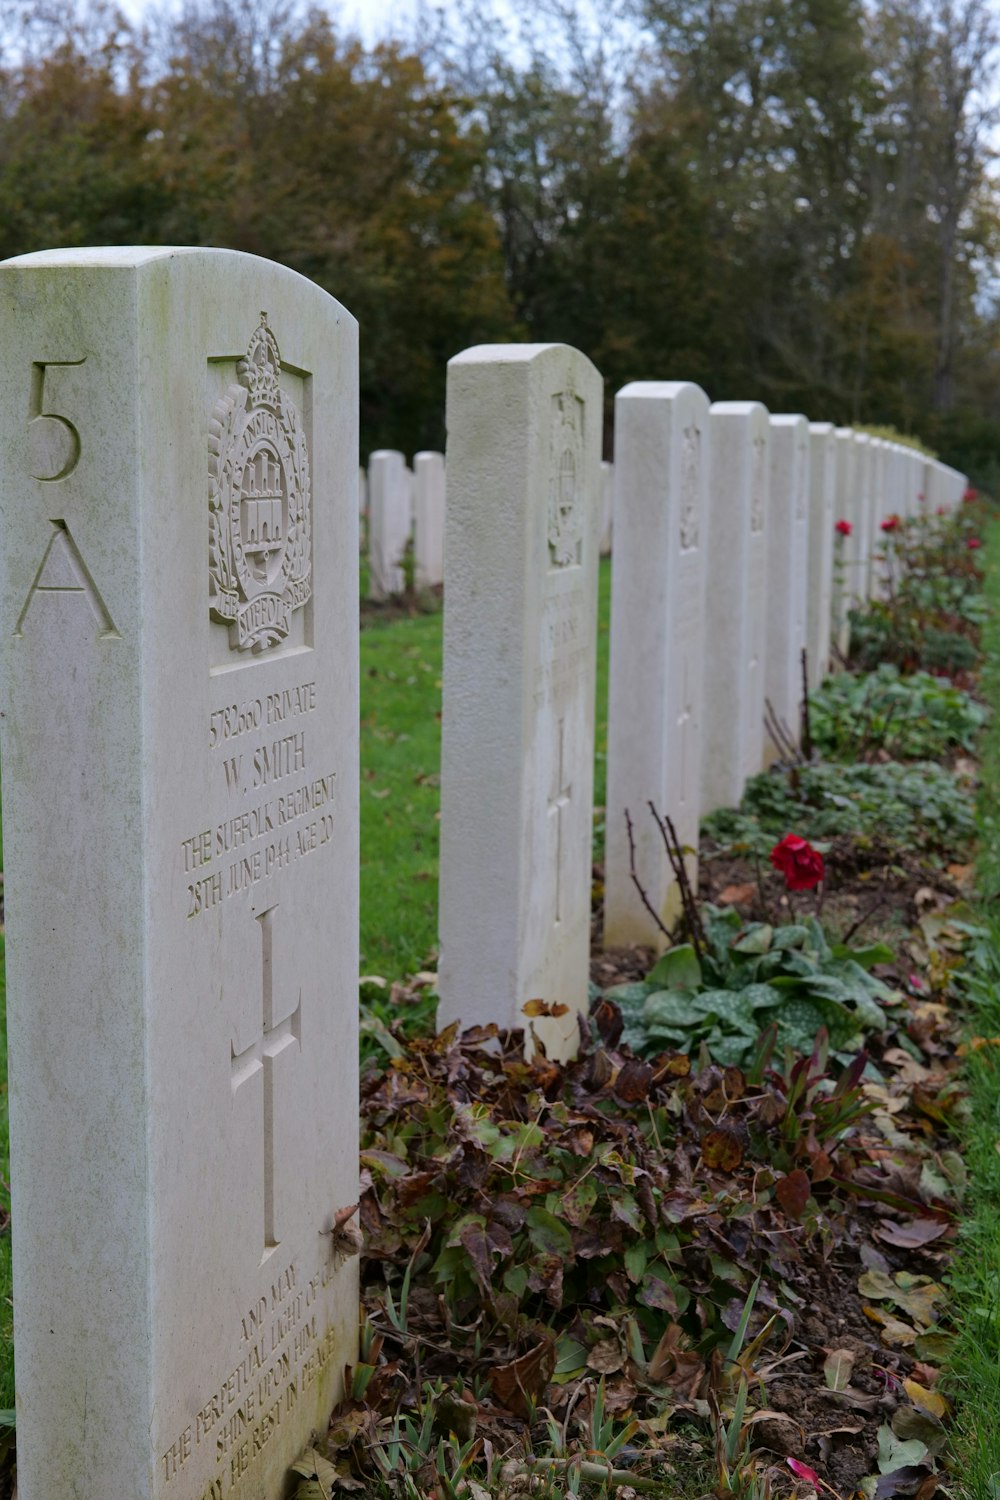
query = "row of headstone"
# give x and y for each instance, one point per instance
(180, 739)
(399, 508)
(740, 542)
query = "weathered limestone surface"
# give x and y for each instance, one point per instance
(390, 522)
(822, 446)
(787, 572)
(179, 716)
(429, 512)
(520, 631)
(657, 646)
(735, 601)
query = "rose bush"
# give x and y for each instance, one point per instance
(799, 862)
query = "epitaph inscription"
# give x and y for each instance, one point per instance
(260, 559)
(566, 467)
(283, 1349)
(284, 803)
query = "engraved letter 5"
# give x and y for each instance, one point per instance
(53, 441)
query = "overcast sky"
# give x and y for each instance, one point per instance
(374, 19)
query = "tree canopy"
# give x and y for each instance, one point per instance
(783, 199)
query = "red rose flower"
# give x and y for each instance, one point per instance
(973, 543)
(843, 528)
(971, 494)
(891, 523)
(799, 862)
(942, 510)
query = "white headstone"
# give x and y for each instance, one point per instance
(962, 488)
(607, 506)
(881, 510)
(845, 510)
(735, 601)
(178, 659)
(937, 489)
(859, 582)
(956, 485)
(916, 494)
(822, 445)
(428, 528)
(897, 480)
(390, 512)
(657, 642)
(520, 632)
(847, 514)
(787, 573)
(362, 509)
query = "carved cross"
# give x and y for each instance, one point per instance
(685, 727)
(277, 1037)
(560, 798)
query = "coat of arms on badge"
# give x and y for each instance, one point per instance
(260, 559)
(565, 530)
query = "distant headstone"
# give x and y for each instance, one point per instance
(657, 645)
(881, 511)
(848, 531)
(916, 497)
(390, 522)
(787, 574)
(955, 485)
(178, 660)
(937, 488)
(735, 601)
(607, 506)
(897, 481)
(520, 631)
(428, 524)
(821, 534)
(860, 583)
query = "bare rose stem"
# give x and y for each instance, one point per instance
(765, 908)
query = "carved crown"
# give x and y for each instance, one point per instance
(260, 371)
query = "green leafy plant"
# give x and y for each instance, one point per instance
(920, 804)
(912, 718)
(932, 610)
(752, 977)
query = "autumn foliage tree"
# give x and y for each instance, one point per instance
(784, 199)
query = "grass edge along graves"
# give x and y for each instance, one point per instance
(975, 1279)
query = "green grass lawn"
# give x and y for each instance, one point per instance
(975, 1277)
(6, 1303)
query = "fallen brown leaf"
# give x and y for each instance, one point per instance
(518, 1384)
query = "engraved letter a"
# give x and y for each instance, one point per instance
(63, 571)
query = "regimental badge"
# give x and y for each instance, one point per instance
(259, 547)
(565, 477)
